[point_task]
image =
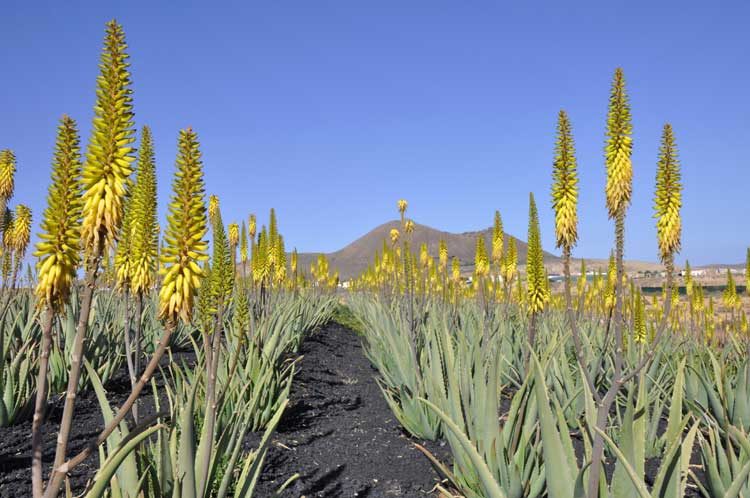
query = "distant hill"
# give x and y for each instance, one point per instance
(353, 259)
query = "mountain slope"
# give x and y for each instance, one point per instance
(354, 258)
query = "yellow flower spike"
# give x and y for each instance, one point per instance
(21, 231)
(243, 244)
(668, 198)
(7, 177)
(730, 297)
(213, 207)
(233, 234)
(565, 186)
(280, 260)
(394, 234)
(252, 226)
(185, 232)
(424, 255)
(442, 256)
(619, 148)
(107, 167)
(536, 280)
(497, 240)
(510, 261)
(402, 205)
(456, 269)
(481, 261)
(58, 248)
(689, 282)
(144, 227)
(609, 288)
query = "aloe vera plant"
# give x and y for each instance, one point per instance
(470, 403)
(387, 345)
(726, 463)
(628, 447)
(19, 334)
(177, 453)
(537, 392)
(721, 390)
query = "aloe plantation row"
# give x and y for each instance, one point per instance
(210, 341)
(582, 388)
(506, 411)
(253, 379)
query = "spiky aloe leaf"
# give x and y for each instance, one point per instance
(640, 486)
(127, 470)
(107, 470)
(489, 484)
(632, 443)
(562, 474)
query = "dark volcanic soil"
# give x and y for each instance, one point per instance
(15, 441)
(338, 433)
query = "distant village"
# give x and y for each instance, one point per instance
(714, 275)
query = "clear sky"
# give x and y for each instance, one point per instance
(330, 111)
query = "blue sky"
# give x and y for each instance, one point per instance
(331, 111)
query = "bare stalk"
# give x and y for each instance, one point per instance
(532, 334)
(213, 351)
(232, 370)
(74, 375)
(606, 403)
(129, 346)
(137, 352)
(37, 483)
(619, 378)
(574, 326)
(60, 471)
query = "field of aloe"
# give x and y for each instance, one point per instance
(190, 352)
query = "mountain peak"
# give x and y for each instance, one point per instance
(353, 259)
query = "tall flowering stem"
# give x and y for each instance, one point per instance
(184, 249)
(668, 202)
(104, 181)
(7, 177)
(618, 190)
(58, 251)
(537, 291)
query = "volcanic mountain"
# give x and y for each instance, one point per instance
(353, 259)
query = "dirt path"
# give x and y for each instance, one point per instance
(15, 441)
(339, 433)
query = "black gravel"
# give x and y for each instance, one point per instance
(338, 433)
